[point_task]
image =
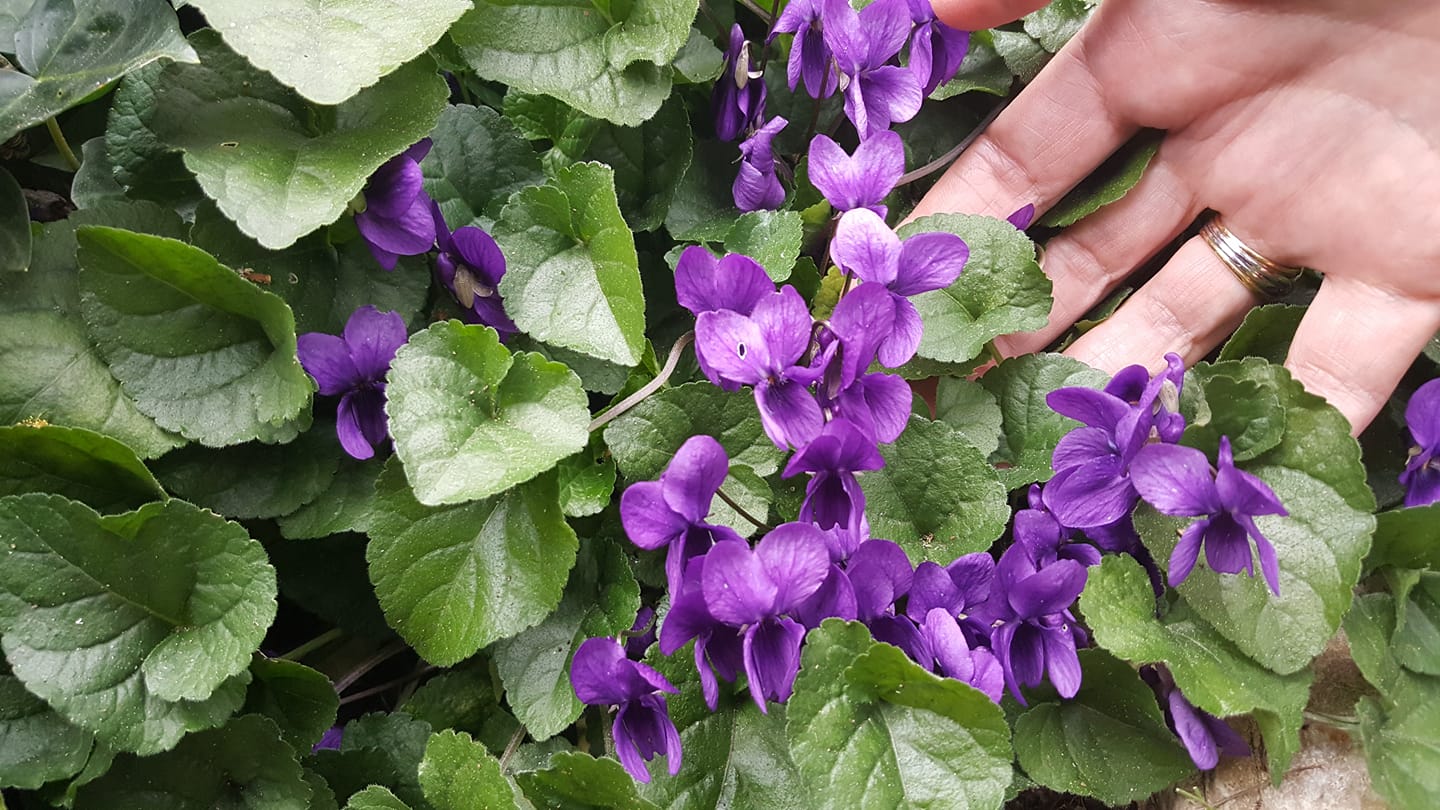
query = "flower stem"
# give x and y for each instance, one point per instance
(401, 681)
(511, 746)
(759, 524)
(759, 12)
(313, 644)
(1348, 724)
(649, 388)
(62, 145)
(384, 654)
(949, 157)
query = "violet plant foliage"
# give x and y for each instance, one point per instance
(702, 564)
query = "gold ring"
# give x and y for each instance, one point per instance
(1264, 277)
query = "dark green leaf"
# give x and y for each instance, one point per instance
(457, 773)
(71, 49)
(377, 749)
(1406, 538)
(94, 184)
(477, 162)
(343, 506)
(698, 60)
(199, 349)
(301, 701)
(575, 781)
(1266, 332)
(253, 480)
(82, 465)
(601, 599)
(149, 615)
(983, 70)
(14, 225)
(936, 496)
(704, 209)
(40, 745)
(966, 406)
(471, 420)
(1109, 183)
(1031, 428)
(1244, 410)
(645, 439)
(146, 167)
(244, 765)
(464, 700)
(1416, 643)
(1001, 290)
(771, 238)
(649, 161)
(327, 577)
(375, 798)
(1109, 741)
(1402, 747)
(573, 277)
(454, 579)
(610, 62)
(273, 165)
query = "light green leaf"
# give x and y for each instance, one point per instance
(1022, 54)
(146, 616)
(202, 351)
(70, 49)
(1266, 332)
(1406, 538)
(253, 480)
(1402, 748)
(89, 467)
(644, 440)
(478, 160)
(95, 182)
(576, 781)
(771, 238)
(1032, 429)
(375, 798)
(1055, 23)
(601, 599)
(869, 727)
(471, 420)
(573, 277)
(936, 496)
(328, 50)
(1109, 741)
(344, 505)
(14, 225)
(454, 579)
(40, 745)
(277, 167)
(587, 480)
(1246, 411)
(611, 62)
(1416, 643)
(457, 773)
(301, 701)
(1109, 183)
(244, 765)
(966, 406)
(1001, 290)
(1119, 606)
(698, 61)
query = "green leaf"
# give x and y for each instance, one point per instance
(573, 277)
(202, 351)
(301, 701)
(1369, 627)
(1022, 54)
(478, 160)
(93, 184)
(464, 700)
(868, 726)
(1055, 23)
(970, 409)
(1119, 606)
(576, 781)
(1246, 411)
(329, 51)
(457, 773)
(244, 765)
(649, 161)
(698, 61)
(275, 166)
(1031, 428)
(1416, 643)
(1406, 538)
(610, 62)
(982, 71)
(71, 49)
(601, 599)
(454, 579)
(471, 420)
(148, 616)
(644, 440)
(375, 798)
(377, 749)
(89, 467)
(1001, 290)
(704, 208)
(323, 284)
(587, 480)
(1266, 332)
(146, 167)
(936, 496)
(14, 225)
(1402, 748)
(253, 480)
(40, 745)
(771, 238)
(1109, 742)
(343, 506)
(1109, 183)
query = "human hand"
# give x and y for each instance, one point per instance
(1308, 123)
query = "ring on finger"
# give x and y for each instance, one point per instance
(1265, 277)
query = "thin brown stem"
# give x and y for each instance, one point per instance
(388, 685)
(313, 644)
(759, 12)
(511, 746)
(381, 656)
(949, 157)
(740, 510)
(649, 388)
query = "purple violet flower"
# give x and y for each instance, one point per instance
(330, 740)
(398, 219)
(862, 180)
(834, 599)
(810, 57)
(719, 648)
(955, 658)
(936, 49)
(878, 404)
(1023, 216)
(834, 502)
(1177, 480)
(1421, 477)
(733, 282)
(962, 589)
(1046, 539)
(1036, 633)
(353, 367)
(603, 676)
(866, 246)
(1092, 484)
(738, 101)
(756, 589)
(762, 350)
(877, 93)
(471, 265)
(641, 635)
(881, 575)
(670, 513)
(1204, 735)
(756, 187)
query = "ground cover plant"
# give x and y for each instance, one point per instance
(464, 404)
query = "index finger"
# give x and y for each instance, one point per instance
(972, 15)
